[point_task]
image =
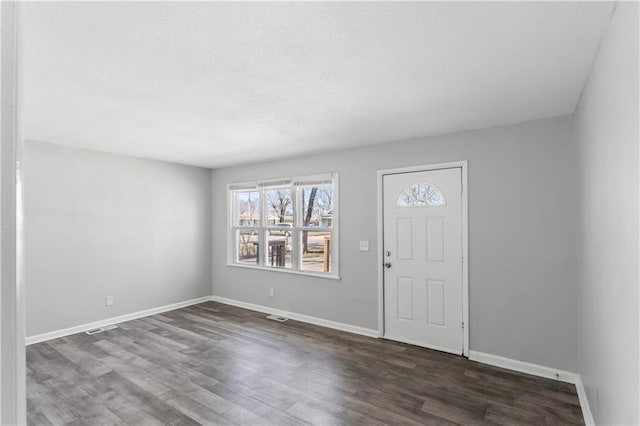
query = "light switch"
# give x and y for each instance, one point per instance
(364, 245)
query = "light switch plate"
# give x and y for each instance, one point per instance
(364, 245)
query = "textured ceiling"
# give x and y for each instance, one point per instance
(216, 84)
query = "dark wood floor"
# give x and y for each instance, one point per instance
(217, 364)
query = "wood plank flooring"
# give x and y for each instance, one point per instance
(217, 364)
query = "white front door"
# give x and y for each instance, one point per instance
(423, 258)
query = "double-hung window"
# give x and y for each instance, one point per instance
(286, 224)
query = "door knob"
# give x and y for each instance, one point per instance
(387, 265)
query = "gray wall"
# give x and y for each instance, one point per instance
(521, 230)
(105, 225)
(607, 134)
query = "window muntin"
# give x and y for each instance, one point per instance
(294, 228)
(421, 195)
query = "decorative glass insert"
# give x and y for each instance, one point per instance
(421, 195)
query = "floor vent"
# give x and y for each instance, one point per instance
(101, 329)
(277, 318)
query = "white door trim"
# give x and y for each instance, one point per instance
(465, 242)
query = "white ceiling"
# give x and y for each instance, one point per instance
(217, 84)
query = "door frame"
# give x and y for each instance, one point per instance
(463, 164)
(13, 401)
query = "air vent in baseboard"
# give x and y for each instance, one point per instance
(277, 318)
(101, 329)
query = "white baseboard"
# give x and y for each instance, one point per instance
(523, 367)
(114, 320)
(584, 402)
(541, 371)
(299, 317)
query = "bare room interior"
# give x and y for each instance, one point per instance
(292, 213)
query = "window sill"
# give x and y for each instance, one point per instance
(286, 271)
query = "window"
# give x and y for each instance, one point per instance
(287, 225)
(421, 195)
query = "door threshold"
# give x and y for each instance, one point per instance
(425, 345)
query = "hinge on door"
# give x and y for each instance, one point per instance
(462, 325)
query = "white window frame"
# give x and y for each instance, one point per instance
(295, 185)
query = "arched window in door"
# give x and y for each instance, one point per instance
(421, 195)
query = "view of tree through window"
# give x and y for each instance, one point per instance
(289, 227)
(249, 208)
(316, 208)
(280, 206)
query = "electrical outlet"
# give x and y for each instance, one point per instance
(364, 245)
(271, 292)
(108, 301)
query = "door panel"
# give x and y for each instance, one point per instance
(405, 298)
(423, 248)
(404, 238)
(435, 239)
(435, 302)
